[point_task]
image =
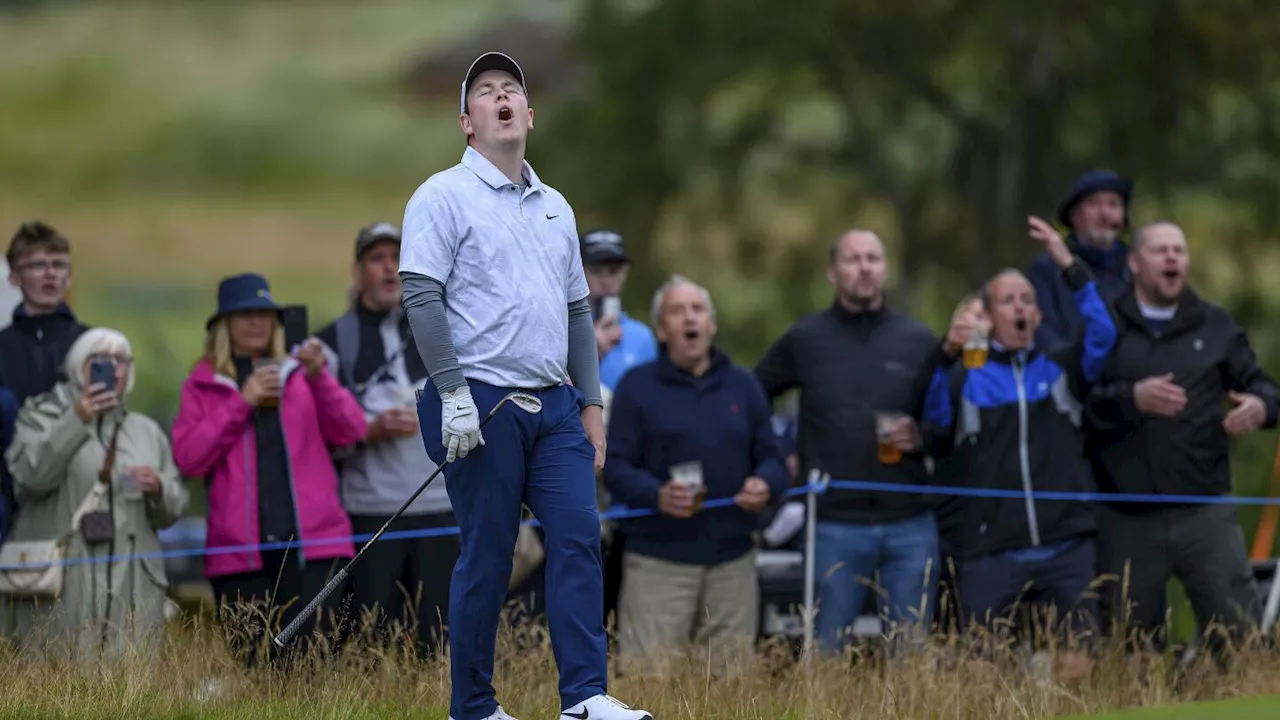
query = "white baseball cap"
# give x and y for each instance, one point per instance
(490, 61)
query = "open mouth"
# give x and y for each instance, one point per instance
(1020, 324)
(1171, 274)
(505, 114)
(691, 334)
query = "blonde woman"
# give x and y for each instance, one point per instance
(85, 466)
(260, 425)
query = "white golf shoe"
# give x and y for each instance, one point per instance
(603, 707)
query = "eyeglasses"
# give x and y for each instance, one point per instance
(40, 267)
(121, 360)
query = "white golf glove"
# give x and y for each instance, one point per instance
(459, 424)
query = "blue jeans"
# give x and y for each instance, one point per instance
(544, 460)
(846, 558)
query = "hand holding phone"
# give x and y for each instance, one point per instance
(103, 372)
(100, 394)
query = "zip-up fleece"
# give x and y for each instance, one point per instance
(662, 416)
(849, 366)
(213, 439)
(32, 350)
(1018, 421)
(1209, 355)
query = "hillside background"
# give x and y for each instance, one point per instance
(729, 140)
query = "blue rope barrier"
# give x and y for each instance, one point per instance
(625, 514)
(953, 491)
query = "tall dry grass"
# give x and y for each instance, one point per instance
(194, 675)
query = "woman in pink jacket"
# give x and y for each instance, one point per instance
(259, 426)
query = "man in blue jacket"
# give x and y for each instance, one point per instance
(690, 573)
(1096, 211)
(1017, 423)
(622, 341)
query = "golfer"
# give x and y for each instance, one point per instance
(497, 300)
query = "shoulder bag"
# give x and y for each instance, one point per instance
(34, 568)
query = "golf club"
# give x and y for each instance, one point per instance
(523, 400)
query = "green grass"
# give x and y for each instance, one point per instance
(120, 97)
(1257, 708)
(935, 683)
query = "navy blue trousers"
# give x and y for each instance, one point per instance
(994, 586)
(545, 461)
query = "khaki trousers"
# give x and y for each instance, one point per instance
(664, 606)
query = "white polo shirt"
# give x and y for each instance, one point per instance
(509, 262)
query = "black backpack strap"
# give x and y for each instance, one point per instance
(347, 329)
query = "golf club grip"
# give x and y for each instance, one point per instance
(287, 634)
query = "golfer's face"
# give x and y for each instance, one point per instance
(497, 109)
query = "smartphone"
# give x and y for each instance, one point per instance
(611, 307)
(296, 327)
(103, 371)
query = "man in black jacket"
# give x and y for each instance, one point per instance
(1161, 430)
(852, 362)
(1017, 422)
(34, 346)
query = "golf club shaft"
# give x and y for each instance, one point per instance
(292, 629)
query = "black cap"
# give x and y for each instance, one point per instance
(1092, 182)
(486, 62)
(375, 233)
(601, 246)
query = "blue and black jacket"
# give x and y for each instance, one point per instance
(1060, 320)
(1017, 424)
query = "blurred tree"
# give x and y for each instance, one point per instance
(957, 118)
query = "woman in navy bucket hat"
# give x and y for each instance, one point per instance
(240, 293)
(260, 425)
(1096, 211)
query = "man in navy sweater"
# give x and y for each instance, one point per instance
(689, 572)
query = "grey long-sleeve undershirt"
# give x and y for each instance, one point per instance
(424, 306)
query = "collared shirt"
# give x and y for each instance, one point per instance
(507, 255)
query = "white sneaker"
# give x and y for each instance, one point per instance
(603, 707)
(500, 715)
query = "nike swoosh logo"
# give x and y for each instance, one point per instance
(553, 217)
(585, 714)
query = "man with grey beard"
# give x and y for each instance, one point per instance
(1096, 211)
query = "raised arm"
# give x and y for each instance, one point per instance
(1099, 337)
(48, 434)
(1054, 330)
(206, 428)
(938, 426)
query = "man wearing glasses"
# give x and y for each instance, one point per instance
(34, 345)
